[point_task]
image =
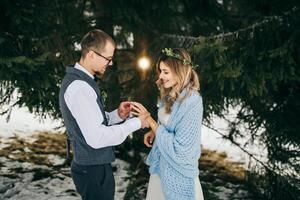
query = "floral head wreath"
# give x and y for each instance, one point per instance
(169, 52)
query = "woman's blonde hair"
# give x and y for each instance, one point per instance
(186, 76)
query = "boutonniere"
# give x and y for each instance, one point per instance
(104, 96)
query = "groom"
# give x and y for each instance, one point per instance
(90, 128)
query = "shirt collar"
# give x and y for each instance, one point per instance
(80, 67)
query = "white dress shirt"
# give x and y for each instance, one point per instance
(81, 100)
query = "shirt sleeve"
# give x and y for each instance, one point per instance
(81, 100)
(113, 117)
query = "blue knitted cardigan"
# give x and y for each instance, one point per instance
(176, 149)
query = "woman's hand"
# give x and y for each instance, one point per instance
(139, 110)
(148, 138)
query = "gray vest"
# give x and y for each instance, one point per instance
(83, 154)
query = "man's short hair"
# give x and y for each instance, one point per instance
(95, 40)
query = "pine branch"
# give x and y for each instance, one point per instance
(8, 111)
(271, 169)
(189, 41)
(250, 29)
(238, 145)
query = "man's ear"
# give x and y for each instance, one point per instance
(90, 54)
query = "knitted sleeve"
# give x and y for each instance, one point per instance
(182, 147)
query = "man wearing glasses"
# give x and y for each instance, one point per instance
(90, 128)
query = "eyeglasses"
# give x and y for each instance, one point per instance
(108, 59)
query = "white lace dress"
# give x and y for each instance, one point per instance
(154, 191)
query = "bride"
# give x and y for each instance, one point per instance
(174, 156)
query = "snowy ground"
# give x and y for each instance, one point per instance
(22, 123)
(41, 182)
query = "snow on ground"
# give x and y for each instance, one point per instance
(25, 186)
(213, 141)
(22, 123)
(42, 183)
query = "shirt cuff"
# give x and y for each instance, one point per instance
(114, 117)
(133, 124)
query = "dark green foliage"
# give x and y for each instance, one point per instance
(36, 42)
(254, 66)
(259, 69)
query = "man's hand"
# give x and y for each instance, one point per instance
(148, 138)
(124, 109)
